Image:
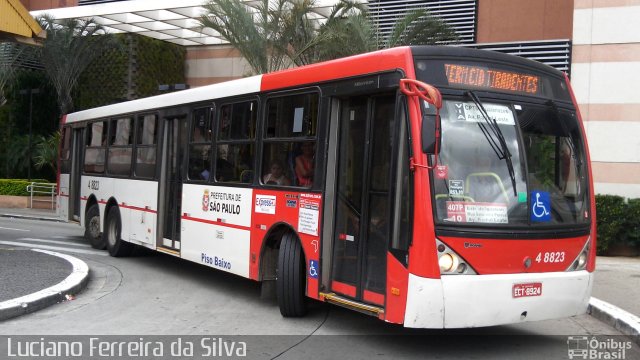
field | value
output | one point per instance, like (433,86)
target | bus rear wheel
(92,228)
(291,277)
(116,246)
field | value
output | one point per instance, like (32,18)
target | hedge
(16,187)
(618,221)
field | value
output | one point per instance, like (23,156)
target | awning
(169,20)
(16,24)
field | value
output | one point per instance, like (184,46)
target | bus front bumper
(460,301)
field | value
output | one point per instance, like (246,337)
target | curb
(29,217)
(615,317)
(74,283)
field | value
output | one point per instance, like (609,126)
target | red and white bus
(434,187)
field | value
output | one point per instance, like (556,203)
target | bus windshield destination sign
(482,77)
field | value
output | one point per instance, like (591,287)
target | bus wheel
(291,278)
(92,228)
(116,246)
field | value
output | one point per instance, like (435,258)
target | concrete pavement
(615,292)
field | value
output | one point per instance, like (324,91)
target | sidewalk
(616,295)
(33,214)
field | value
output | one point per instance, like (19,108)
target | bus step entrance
(353,305)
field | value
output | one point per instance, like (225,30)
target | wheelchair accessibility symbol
(313,269)
(540,206)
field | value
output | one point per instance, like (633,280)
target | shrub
(16,187)
(611,215)
(632,223)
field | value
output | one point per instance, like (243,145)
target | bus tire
(113,231)
(92,228)
(291,278)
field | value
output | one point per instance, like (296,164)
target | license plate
(524,290)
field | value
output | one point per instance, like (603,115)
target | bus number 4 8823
(550,257)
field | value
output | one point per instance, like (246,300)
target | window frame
(217,141)
(292,140)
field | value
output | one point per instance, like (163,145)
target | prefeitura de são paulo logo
(205,200)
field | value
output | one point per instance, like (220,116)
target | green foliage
(632,224)
(71,45)
(149,62)
(105,79)
(46,152)
(14,187)
(617,221)
(158,62)
(273,35)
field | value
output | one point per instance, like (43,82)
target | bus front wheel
(291,277)
(92,228)
(116,246)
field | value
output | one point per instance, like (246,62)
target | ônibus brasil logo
(205,200)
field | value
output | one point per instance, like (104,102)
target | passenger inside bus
(276,176)
(305,164)
(224,169)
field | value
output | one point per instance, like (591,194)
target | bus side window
(120,147)
(146,139)
(289,144)
(200,145)
(94,156)
(235,151)
(65,152)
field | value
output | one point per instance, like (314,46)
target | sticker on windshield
(468,111)
(488,213)
(442,171)
(540,206)
(456,188)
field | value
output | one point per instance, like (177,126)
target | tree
(71,45)
(8,54)
(254,33)
(288,33)
(46,154)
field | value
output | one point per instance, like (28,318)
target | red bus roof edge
(378,61)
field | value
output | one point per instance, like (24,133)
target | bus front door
(363,211)
(175,136)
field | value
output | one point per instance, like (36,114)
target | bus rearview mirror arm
(430,127)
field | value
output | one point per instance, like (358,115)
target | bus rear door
(170,197)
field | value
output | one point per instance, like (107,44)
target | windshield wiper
(495,138)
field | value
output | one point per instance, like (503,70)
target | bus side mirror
(430,131)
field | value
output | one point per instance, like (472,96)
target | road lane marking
(59,248)
(57,242)
(6,228)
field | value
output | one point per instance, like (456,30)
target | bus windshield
(537,176)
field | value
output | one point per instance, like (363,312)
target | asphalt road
(155,294)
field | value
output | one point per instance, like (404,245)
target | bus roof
(383,60)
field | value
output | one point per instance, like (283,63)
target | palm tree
(46,154)
(287,33)
(9,53)
(254,33)
(69,48)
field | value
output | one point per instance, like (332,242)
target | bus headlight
(580,263)
(447,262)
(451,263)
